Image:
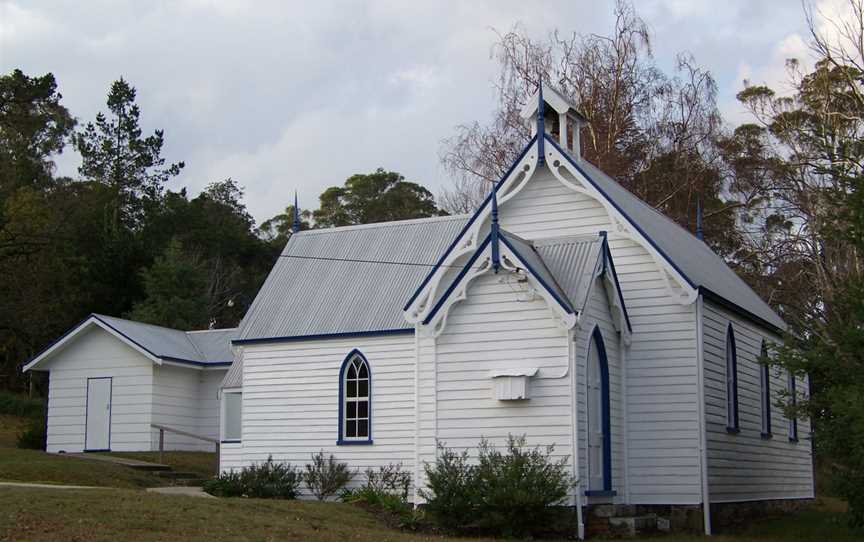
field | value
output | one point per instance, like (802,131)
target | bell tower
(560,119)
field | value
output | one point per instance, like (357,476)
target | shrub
(266,480)
(512,493)
(325,477)
(34,436)
(15,404)
(386,490)
(453,492)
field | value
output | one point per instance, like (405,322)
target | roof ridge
(211,330)
(387,224)
(99,315)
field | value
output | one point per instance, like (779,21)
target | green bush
(386,490)
(14,404)
(511,493)
(266,480)
(325,477)
(34,435)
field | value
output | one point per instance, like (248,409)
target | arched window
(355,400)
(599,424)
(793,399)
(765,391)
(731,382)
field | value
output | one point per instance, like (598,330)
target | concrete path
(187,491)
(132,463)
(47,486)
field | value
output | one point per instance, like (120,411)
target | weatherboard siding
(98,354)
(185,399)
(291,402)
(662,402)
(744,466)
(495,328)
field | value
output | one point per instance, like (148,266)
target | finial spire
(295,226)
(541,122)
(699,218)
(496,257)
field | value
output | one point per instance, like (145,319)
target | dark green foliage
(325,476)
(386,491)
(511,493)
(34,435)
(268,480)
(14,404)
(379,196)
(175,287)
(454,490)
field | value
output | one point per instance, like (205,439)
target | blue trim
(231,441)
(468,225)
(620,210)
(720,300)
(341,442)
(456,280)
(295,226)
(793,421)
(346,334)
(564,303)
(60,338)
(541,123)
(600,493)
(765,393)
(607,259)
(732,395)
(597,339)
(494,235)
(196,363)
(339,437)
(110,411)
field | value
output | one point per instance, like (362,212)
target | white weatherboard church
(564,309)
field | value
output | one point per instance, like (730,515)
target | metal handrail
(163,428)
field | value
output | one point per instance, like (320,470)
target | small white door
(595,419)
(98,422)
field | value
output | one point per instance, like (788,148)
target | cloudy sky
(298,95)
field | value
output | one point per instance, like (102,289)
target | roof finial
(295,226)
(496,256)
(699,218)
(541,122)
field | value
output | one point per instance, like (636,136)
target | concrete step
(177,475)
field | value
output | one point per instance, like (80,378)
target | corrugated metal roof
(692,257)
(573,261)
(234,376)
(166,343)
(532,258)
(349,279)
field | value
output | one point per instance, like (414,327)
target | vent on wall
(512,384)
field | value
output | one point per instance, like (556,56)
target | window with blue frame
(731,382)
(793,400)
(355,418)
(765,391)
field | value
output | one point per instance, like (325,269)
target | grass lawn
(116,514)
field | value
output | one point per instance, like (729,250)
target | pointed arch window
(765,391)
(599,419)
(793,400)
(731,382)
(355,400)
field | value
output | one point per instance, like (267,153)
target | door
(595,419)
(98,421)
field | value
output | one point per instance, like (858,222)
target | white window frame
(223,436)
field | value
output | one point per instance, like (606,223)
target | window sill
(793,439)
(353,442)
(600,493)
(230,441)
(766,436)
(733,430)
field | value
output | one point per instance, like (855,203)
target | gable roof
(690,257)
(693,259)
(348,280)
(199,348)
